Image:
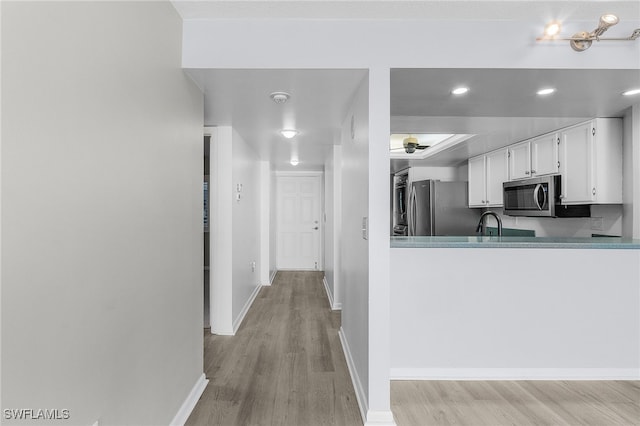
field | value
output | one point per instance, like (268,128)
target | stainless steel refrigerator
(440,208)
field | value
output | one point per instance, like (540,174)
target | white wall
(273,236)
(246,226)
(631,172)
(102,212)
(265,222)
(221,193)
(610,215)
(333,215)
(481,313)
(235,229)
(446,174)
(354,272)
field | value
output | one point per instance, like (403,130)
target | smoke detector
(279,97)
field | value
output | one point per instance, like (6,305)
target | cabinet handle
(527,172)
(561,196)
(558,165)
(533,172)
(593,191)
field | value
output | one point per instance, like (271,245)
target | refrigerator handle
(411,211)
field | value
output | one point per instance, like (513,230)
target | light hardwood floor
(497,403)
(285,366)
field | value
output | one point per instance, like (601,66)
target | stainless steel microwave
(539,196)
(531,197)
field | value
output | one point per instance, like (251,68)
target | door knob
(315,227)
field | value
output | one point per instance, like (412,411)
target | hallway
(285,366)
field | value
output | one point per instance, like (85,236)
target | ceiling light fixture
(294,162)
(545,91)
(582,40)
(460,90)
(279,97)
(288,133)
(631,92)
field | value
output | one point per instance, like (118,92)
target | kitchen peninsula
(515,308)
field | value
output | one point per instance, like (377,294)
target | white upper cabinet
(519,161)
(590,157)
(477,182)
(535,157)
(497,174)
(486,174)
(544,154)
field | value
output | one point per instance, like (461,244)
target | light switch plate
(365,228)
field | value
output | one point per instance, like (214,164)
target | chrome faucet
(480,228)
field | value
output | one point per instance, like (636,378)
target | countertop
(516,242)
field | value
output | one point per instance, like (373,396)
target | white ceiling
(500,108)
(318,104)
(405,9)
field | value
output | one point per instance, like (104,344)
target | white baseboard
(515,374)
(192,399)
(273,276)
(334,306)
(238,321)
(380,418)
(355,379)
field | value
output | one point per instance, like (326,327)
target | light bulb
(546,91)
(288,133)
(460,90)
(552,29)
(608,20)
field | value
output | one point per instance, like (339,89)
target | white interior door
(299,224)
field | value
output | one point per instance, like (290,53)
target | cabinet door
(519,161)
(544,155)
(477,185)
(575,156)
(497,172)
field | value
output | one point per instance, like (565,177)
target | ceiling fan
(410,145)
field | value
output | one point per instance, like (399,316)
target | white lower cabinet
(590,162)
(486,174)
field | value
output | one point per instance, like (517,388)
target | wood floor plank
(498,403)
(284,366)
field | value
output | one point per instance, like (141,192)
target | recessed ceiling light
(632,92)
(460,90)
(546,91)
(552,29)
(288,133)
(279,97)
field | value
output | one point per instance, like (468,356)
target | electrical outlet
(596,224)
